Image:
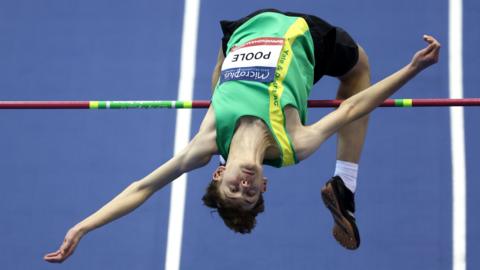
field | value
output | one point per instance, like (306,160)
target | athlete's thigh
(343,55)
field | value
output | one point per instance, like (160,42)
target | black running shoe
(340,201)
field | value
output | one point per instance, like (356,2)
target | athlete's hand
(427,56)
(67,248)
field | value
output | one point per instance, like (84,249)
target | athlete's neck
(250,142)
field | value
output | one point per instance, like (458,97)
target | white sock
(348,171)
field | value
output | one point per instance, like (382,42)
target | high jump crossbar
(198,104)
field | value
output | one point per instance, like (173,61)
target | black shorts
(335,50)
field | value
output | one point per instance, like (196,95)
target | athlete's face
(240,184)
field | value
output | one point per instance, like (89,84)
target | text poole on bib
(256,60)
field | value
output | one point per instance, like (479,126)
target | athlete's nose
(245,183)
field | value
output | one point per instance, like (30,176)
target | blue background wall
(57,167)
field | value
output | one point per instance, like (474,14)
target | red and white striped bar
(196,104)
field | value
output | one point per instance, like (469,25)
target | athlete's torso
(267,43)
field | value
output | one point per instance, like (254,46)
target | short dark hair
(236,218)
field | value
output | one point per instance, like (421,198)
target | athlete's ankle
(348,171)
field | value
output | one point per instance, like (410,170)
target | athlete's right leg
(352,136)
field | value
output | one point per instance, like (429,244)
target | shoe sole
(344,230)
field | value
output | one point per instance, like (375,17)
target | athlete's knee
(363,64)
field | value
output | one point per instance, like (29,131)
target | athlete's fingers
(432,50)
(428,38)
(427,50)
(52,254)
(58,256)
(431,46)
(424,53)
(431,41)
(61,254)
(428,55)
(54,257)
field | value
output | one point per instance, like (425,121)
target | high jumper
(267,65)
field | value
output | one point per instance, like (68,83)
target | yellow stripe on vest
(275,90)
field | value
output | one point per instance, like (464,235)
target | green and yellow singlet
(269,64)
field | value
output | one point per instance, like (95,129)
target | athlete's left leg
(338,192)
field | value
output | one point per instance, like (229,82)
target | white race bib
(255,60)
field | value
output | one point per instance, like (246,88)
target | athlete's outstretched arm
(195,155)
(365,101)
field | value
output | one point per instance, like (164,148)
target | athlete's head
(236,192)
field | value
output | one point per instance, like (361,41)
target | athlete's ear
(264,186)
(217,174)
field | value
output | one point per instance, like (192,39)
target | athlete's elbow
(348,110)
(143,187)
(137,186)
(354,110)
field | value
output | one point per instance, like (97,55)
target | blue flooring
(472,131)
(60,166)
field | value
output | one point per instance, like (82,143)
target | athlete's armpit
(217,69)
